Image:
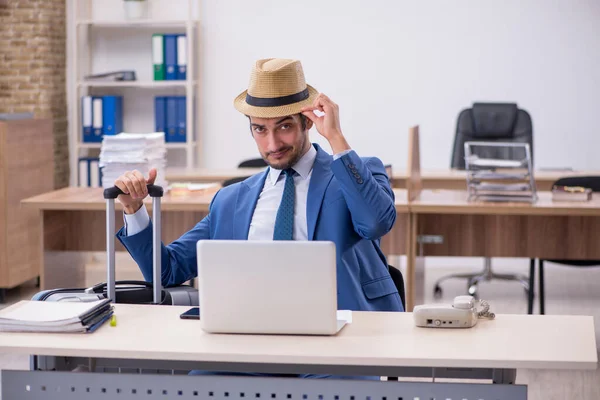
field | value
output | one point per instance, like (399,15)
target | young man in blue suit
(305,194)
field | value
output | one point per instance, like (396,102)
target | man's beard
(292,161)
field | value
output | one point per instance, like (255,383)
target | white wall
(390,64)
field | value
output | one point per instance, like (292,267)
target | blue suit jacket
(350,202)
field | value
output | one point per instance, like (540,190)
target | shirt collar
(302,167)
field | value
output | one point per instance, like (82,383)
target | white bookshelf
(103,40)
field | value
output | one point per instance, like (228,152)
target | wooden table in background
(545,229)
(73,220)
(432,179)
(207,175)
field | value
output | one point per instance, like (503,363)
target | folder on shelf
(89,172)
(170,49)
(86,118)
(158,57)
(180,136)
(112,119)
(159,114)
(171,119)
(181,57)
(83,176)
(94,172)
(113,76)
(97,105)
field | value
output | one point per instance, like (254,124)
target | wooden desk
(432,179)
(373,340)
(546,229)
(375,343)
(457,180)
(74,220)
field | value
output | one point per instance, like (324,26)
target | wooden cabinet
(26,169)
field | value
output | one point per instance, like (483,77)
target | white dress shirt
(262,224)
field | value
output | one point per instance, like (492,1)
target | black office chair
(231,181)
(592,182)
(399,282)
(251,163)
(490,122)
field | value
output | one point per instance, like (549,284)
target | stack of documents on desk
(49,316)
(133,151)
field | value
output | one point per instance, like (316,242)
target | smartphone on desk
(192,313)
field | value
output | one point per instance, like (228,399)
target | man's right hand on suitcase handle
(134,187)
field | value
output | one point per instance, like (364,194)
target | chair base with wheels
(487,274)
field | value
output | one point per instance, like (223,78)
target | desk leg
(415,267)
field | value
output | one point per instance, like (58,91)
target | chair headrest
(494,120)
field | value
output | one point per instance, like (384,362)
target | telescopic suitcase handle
(110,194)
(114,192)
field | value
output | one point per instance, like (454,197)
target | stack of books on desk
(500,180)
(133,151)
(571,193)
(55,317)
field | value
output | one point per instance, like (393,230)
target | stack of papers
(500,181)
(499,172)
(57,317)
(133,151)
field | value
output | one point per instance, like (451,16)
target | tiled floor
(568,291)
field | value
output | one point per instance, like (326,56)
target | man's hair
(303,121)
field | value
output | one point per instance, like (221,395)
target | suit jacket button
(360,181)
(351,166)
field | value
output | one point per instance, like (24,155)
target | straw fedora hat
(277,88)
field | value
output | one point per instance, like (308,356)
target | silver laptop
(268,287)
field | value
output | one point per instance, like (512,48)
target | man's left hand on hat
(328,124)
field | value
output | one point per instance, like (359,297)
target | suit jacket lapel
(245,205)
(321,176)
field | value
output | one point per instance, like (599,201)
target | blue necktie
(284,223)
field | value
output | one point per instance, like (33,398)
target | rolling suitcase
(129,292)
